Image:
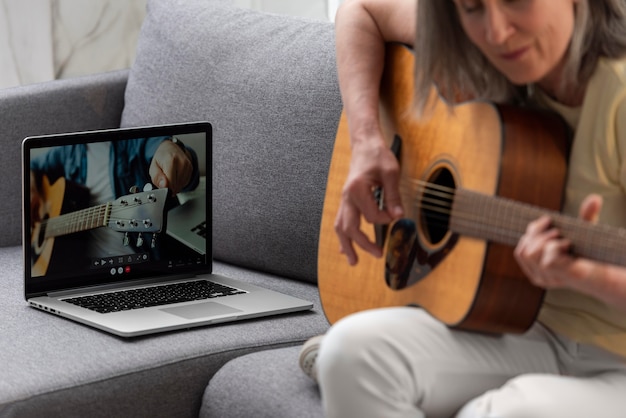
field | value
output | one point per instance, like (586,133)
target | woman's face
(524,39)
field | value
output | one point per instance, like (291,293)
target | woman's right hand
(373,165)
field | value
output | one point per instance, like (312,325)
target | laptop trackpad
(200,310)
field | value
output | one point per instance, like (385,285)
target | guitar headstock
(138,212)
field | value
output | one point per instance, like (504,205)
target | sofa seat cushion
(265,384)
(54,367)
(268,85)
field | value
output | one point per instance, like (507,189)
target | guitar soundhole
(435,206)
(416,246)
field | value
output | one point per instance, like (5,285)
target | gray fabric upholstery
(92,102)
(267,83)
(53,367)
(266,384)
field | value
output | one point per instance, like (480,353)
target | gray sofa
(268,85)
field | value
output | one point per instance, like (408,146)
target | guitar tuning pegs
(133,189)
(126,239)
(153,242)
(139,240)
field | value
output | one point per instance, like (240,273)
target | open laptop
(105,247)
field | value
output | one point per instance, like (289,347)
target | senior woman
(565,55)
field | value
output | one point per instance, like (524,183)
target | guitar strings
(438,200)
(443,206)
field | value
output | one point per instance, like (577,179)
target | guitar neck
(81,220)
(504,221)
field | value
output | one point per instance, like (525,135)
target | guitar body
(465,282)
(51,254)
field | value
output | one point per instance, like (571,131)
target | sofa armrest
(83,103)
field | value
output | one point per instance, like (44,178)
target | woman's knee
(345,344)
(366,340)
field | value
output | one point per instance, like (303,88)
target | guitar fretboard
(82,220)
(504,221)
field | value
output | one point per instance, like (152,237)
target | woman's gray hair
(599,31)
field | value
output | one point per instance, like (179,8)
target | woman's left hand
(544,256)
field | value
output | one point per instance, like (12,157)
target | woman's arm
(362,29)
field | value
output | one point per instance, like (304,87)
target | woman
(567,55)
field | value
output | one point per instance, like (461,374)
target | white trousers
(401,362)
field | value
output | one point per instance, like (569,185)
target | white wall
(42,40)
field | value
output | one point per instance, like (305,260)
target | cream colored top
(597,165)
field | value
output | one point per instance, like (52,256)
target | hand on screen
(171,167)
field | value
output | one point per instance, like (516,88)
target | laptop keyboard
(153,296)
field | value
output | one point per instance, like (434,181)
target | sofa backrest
(268,85)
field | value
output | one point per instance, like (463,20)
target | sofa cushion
(55,367)
(268,85)
(286,392)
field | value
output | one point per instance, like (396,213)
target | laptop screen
(109,206)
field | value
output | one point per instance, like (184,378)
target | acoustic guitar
(472,178)
(139,212)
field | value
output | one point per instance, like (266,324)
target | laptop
(106,247)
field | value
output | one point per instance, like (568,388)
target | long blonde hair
(599,31)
